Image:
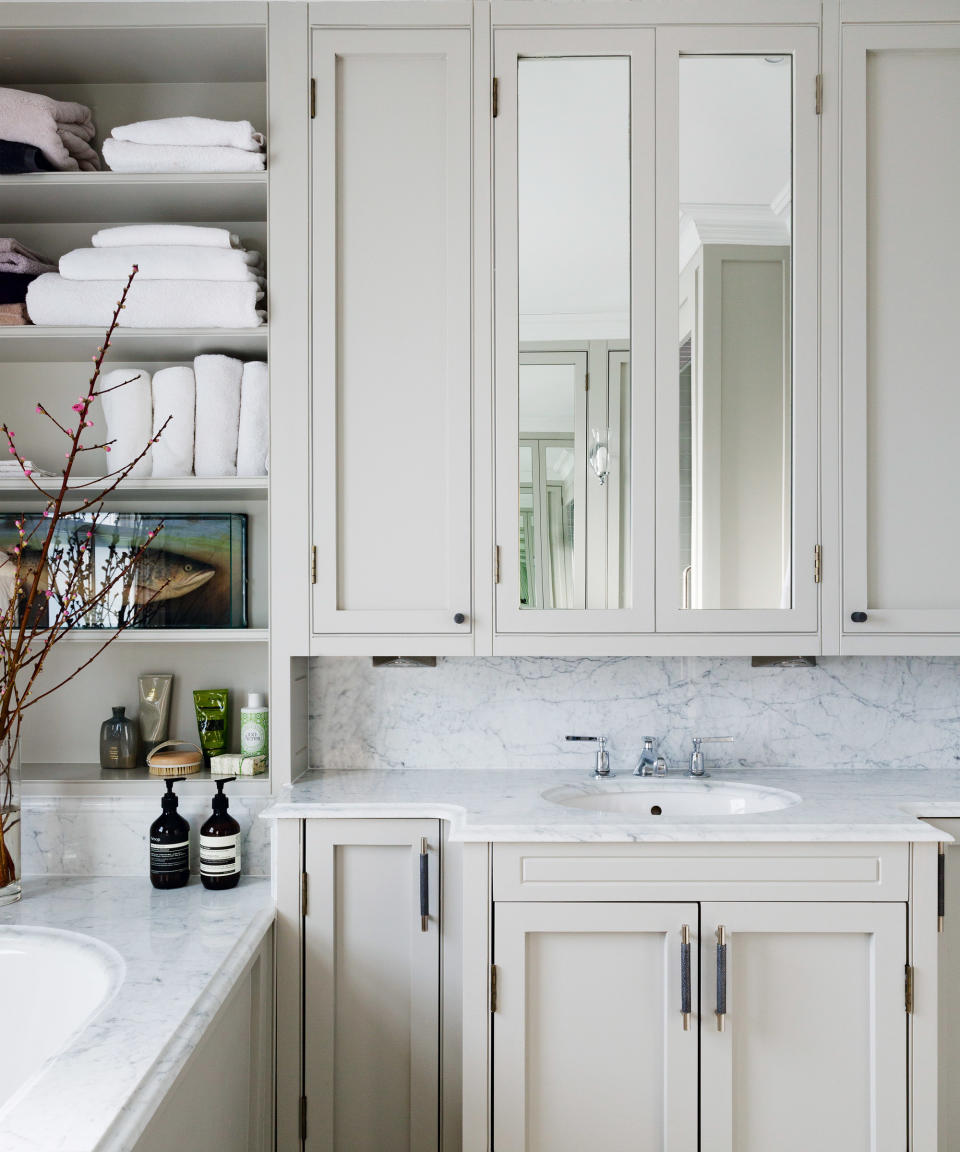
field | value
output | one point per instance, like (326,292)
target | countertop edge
(133,1118)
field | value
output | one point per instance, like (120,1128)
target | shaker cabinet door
(372,986)
(804,1027)
(391,328)
(591,1046)
(901,408)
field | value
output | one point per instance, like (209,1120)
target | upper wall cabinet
(391,349)
(656,332)
(901,410)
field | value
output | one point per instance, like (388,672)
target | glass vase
(10,888)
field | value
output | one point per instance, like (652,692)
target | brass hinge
(817,564)
(908,987)
(303,1117)
(496,564)
(818,94)
(303,893)
(495,98)
(493,987)
(313,99)
(941,884)
(313,566)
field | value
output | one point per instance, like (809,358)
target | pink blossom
(16,551)
(48,593)
(89,424)
(106,447)
(28,471)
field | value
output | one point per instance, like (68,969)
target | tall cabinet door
(391,332)
(372,986)
(901,409)
(591,1046)
(813,1047)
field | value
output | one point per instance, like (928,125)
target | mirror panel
(735,399)
(573,170)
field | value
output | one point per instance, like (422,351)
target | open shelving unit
(132,61)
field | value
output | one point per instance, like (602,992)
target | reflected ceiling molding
(542,327)
(733,224)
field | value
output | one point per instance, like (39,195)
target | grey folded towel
(17,257)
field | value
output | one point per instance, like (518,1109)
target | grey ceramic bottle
(118,741)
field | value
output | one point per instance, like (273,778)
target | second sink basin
(671,799)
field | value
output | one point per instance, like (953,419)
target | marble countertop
(183,951)
(504,805)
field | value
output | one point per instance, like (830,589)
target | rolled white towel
(126,235)
(253,441)
(150,304)
(122,156)
(128,411)
(218,415)
(162,262)
(174,396)
(185,130)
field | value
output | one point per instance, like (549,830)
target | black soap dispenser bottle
(220,844)
(169,844)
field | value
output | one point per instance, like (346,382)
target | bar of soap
(236,764)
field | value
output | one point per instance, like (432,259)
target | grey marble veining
(482,713)
(509,805)
(183,951)
(109,835)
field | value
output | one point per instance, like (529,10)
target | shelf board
(159,487)
(121,197)
(32,344)
(171,636)
(91,779)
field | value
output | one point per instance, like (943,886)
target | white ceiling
(735,149)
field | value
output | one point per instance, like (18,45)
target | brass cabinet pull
(721,977)
(685,976)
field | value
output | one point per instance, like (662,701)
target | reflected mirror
(734,365)
(573,451)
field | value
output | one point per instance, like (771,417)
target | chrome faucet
(697,764)
(647,759)
(602,770)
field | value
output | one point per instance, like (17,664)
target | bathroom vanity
(527,960)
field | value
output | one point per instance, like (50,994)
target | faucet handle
(698,740)
(697,765)
(602,770)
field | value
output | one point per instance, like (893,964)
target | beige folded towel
(17,257)
(12,315)
(56,127)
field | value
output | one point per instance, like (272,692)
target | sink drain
(656,810)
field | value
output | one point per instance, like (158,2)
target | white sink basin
(671,799)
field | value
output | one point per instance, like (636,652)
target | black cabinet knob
(858,617)
(459,618)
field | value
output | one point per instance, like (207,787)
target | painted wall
(514,712)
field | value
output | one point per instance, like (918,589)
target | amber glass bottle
(169,844)
(220,844)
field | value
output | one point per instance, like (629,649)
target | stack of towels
(19,267)
(38,133)
(185,144)
(218,411)
(189,277)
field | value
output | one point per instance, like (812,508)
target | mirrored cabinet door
(574,258)
(737,330)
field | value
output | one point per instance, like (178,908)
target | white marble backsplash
(109,835)
(514,712)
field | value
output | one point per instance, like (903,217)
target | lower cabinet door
(591,1049)
(804,1027)
(372,986)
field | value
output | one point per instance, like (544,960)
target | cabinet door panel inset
(391,331)
(901,413)
(813,1051)
(589,1044)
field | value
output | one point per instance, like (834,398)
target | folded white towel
(218,415)
(151,303)
(253,441)
(174,395)
(129,414)
(126,235)
(56,127)
(122,156)
(185,130)
(162,262)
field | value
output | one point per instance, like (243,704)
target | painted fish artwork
(193,574)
